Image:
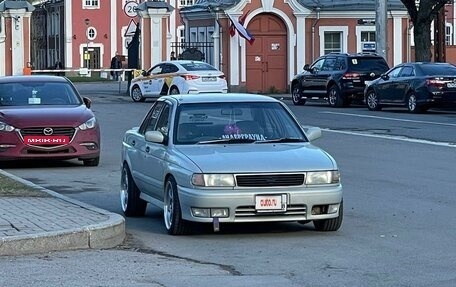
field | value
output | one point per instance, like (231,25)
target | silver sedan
(228,158)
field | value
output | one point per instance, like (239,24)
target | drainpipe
(317,11)
(409,41)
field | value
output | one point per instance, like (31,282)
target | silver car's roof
(219,97)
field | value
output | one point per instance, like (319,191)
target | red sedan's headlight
(5,127)
(90,124)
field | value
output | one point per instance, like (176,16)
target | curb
(107,234)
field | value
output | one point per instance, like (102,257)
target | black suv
(337,77)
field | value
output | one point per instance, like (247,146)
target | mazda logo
(48,131)
(372,75)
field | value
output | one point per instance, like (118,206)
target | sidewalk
(43,224)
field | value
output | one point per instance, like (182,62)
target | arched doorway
(266,61)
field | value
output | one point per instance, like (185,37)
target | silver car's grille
(298,210)
(57,131)
(270,180)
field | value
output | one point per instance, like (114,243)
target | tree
(422,13)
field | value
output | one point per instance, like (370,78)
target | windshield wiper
(230,141)
(283,140)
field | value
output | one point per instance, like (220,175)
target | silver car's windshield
(236,122)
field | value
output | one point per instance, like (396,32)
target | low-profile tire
(172,213)
(174,91)
(412,105)
(335,99)
(131,203)
(372,101)
(296,96)
(136,94)
(332,224)
(91,161)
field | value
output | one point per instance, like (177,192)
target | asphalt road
(399,226)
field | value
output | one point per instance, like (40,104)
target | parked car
(44,117)
(213,158)
(417,86)
(337,77)
(178,77)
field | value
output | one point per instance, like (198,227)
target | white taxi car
(177,77)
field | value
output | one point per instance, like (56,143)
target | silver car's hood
(242,158)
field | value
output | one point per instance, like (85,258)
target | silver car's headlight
(5,127)
(323,177)
(218,180)
(90,124)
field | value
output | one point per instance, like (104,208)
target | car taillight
(350,76)
(190,77)
(435,82)
(222,76)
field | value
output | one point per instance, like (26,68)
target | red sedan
(44,117)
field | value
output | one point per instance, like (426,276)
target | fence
(84,72)
(203,51)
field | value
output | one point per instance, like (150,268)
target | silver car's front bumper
(241,203)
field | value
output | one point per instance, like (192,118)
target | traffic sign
(130,9)
(131,29)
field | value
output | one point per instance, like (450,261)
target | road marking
(397,138)
(390,119)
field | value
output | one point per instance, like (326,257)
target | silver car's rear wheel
(172,213)
(136,94)
(131,203)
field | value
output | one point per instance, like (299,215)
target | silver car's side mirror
(154,136)
(313,133)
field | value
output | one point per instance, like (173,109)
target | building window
(448,34)
(368,36)
(90,4)
(91,33)
(185,3)
(333,39)
(333,42)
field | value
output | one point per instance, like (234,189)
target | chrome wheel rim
(372,100)
(168,209)
(295,95)
(332,96)
(124,190)
(412,102)
(136,94)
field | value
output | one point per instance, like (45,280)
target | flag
(239,26)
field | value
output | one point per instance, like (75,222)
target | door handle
(147,149)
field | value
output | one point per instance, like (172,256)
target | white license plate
(209,79)
(451,85)
(271,202)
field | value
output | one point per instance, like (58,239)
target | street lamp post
(86,54)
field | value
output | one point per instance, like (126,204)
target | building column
(2,46)
(397,39)
(154,32)
(15,40)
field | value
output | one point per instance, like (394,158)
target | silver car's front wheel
(172,213)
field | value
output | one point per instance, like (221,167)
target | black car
(417,86)
(337,77)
